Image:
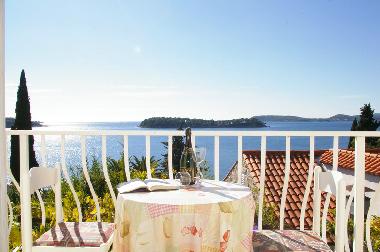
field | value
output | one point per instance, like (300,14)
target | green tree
(23,121)
(178,146)
(354,127)
(139,164)
(138,167)
(366,122)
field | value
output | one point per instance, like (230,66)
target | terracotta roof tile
(346,159)
(274,180)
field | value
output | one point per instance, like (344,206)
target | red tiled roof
(372,150)
(346,159)
(274,180)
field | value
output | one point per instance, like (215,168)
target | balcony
(85,203)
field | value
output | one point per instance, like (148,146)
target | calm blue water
(228,145)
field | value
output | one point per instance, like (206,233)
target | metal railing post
(263,162)
(147,157)
(26,209)
(216,158)
(170,156)
(359,194)
(240,158)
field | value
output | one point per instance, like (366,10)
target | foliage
(375,233)
(15,236)
(138,166)
(366,122)
(330,227)
(23,121)
(270,219)
(140,163)
(177,146)
(88,207)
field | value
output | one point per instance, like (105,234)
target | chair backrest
(331,182)
(374,207)
(374,210)
(41,177)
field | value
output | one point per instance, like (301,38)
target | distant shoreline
(9,122)
(287,118)
(262,118)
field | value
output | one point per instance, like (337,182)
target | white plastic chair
(331,182)
(296,240)
(374,210)
(59,238)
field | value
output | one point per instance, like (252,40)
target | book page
(130,186)
(161,184)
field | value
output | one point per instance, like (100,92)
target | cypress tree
(23,121)
(178,146)
(351,143)
(366,122)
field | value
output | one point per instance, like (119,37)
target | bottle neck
(188,141)
(188,138)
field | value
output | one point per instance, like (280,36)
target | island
(178,122)
(9,121)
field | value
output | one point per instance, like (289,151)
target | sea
(227,149)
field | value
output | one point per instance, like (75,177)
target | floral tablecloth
(217,216)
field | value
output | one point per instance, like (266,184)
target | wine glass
(200,156)
(183,177)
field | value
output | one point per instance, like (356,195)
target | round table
(217,216)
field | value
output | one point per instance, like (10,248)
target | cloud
(150,94)
(44,91)
(352,96)
(137,49)
(146,92)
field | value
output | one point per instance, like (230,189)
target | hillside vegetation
(177,122)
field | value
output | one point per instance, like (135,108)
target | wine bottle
(188,162)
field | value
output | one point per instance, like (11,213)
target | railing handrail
(161,132)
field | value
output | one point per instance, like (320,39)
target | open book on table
(148,184)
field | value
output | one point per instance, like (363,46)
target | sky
(122,60)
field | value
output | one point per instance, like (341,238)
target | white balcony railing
(24,188)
